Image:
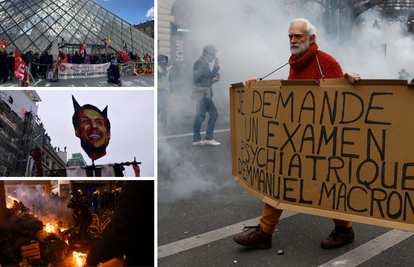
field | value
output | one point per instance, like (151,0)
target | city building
(77,160)
(33,25)
(146,27)
(20,132)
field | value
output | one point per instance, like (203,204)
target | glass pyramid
(32,25)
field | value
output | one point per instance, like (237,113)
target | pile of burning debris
(27,241)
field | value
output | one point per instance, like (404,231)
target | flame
(80,258)
(9,205)
(50,228)
(67,242)
(12,198)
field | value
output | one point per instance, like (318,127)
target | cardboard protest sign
(329,149)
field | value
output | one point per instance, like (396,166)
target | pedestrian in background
(403,75)
(163,88)
(203,79)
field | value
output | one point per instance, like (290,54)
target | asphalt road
(201,208)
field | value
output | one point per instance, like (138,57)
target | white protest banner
(75,71)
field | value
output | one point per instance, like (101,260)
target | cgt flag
(3,44)
(125,56)
(82,49)
(108,42)
(58,62)
(20,70)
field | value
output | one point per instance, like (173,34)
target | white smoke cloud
(39,203)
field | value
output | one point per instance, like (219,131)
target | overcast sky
(132,11)
(131,113)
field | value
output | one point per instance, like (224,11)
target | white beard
(299,52)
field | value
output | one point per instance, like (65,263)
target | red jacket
(306,67)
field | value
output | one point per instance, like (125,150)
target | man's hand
(352,77)
(216,79)
(170,67)
(216,61)
(249,82)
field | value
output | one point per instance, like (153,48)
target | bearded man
(303,66)
(93,128)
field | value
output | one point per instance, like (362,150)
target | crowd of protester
(101,200)
(40,64)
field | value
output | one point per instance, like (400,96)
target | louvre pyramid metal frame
(32,25)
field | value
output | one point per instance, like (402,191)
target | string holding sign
(273,71)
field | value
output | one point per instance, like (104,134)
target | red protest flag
(65,60)
(82,49)
(25,82)
(3,44)
(108,42)
(147,58)
(19,66)
(57,63)
(125,56)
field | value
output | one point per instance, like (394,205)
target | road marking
(190,134)
(369,249)
(199,240)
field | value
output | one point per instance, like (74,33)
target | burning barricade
(28,241)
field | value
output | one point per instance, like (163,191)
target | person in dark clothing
(132,56)
(43,61)
(83,219)
(76,59)
(69,58)
(106,200)
(49,62)
(203,79)
(113,71)
(94,58)
(3,66)
(35,64)
(29,60)
(10,65)
(119,60)
(124,234)
(99,202)
(111,205)
(28,57)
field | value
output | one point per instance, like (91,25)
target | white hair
(309,27)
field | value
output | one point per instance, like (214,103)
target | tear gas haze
(42,205)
